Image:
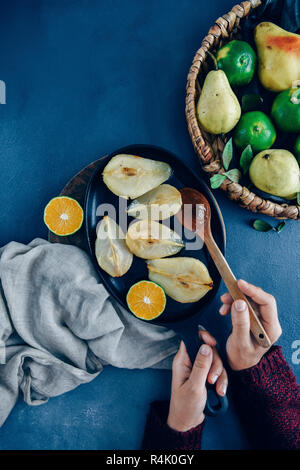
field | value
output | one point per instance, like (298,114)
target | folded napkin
(59,326)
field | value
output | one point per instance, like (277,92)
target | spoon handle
(229,279)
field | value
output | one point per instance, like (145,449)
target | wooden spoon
(197,218)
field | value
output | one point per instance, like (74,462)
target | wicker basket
(209,147)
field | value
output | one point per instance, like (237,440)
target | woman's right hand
(242,349)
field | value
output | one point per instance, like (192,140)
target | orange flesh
(146,300)
(63,216)
(285,43)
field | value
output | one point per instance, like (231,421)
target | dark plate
(97,194)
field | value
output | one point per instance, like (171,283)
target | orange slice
(146,300)
(63,215)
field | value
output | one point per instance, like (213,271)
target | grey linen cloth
(59,326)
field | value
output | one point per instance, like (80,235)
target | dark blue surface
(84,78)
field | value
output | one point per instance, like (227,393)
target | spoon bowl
(195,214)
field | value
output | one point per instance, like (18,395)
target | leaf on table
(227,154)
(246,158)
(261,226)
(279,227)
(217,180)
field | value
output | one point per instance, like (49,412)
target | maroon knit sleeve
(268,400)
(158,435)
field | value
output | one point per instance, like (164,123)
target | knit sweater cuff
(158,435)
(272,368)
(267,397)
(271,361)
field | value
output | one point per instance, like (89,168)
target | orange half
(146,300)
(63,215)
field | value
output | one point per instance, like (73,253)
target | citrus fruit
(238,60)
(146,300)
(254,128)
(63,215)
(286,110)
(297,149)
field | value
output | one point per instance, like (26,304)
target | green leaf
(227,154)
(217,180)
(261,226)
(298,198)
(246,158)
(234,175)
(280,227)
(251,102)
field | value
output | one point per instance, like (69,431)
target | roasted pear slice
(150,240)
(112,253)
(130,176)
(183,279)
(158,204)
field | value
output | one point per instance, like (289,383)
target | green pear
(278,56)
(276,171)
(218,109)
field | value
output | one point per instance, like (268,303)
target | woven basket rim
(209,154)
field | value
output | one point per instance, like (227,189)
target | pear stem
(212,57)
(295,95)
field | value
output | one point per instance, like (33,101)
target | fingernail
(200,327)
(181,345)
(244,282)
(240,305)
(205,336)
(222,309)
(204,350)
(224,389)
(214,378)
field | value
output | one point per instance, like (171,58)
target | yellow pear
(218,109)
(278,56)
(276,171)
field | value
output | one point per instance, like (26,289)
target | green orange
(254,128)
(63,215)
(286,110)
(238,60)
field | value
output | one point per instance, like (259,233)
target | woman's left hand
(188,396)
